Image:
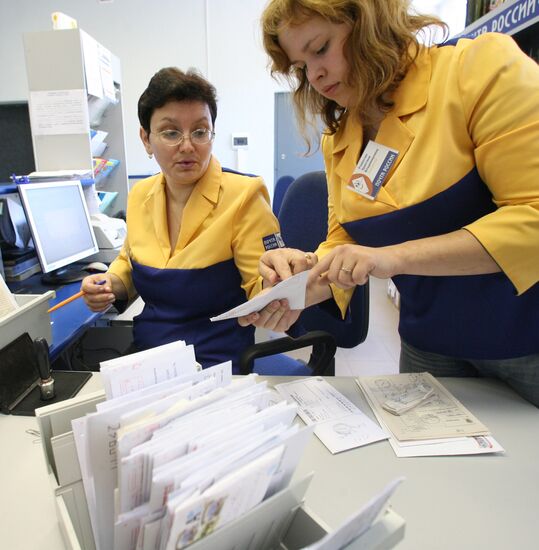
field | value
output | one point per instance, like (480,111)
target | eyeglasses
(172,138)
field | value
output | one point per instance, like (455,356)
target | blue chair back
(279,191)
(303,219)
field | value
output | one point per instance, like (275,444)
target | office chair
(267,358)
(279,191)
(303,219)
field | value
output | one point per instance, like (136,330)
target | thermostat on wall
(240,141)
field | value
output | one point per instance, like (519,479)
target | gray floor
(379,353)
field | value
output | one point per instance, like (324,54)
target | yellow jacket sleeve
(253,221)
(499,88)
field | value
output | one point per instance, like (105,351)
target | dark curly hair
(172,84)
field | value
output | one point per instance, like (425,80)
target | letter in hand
(97,291)
(276,266)
(276,316)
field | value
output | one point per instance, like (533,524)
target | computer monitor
(60,225)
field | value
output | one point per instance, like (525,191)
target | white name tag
(372,169)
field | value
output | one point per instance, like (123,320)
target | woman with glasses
(431,156)
(195,231)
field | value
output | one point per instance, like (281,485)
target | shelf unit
(55,62)
(518,18)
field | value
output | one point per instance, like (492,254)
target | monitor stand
(64,275)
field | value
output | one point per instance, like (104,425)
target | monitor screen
(16,149)
(58,219)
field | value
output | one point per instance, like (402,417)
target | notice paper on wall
(59,112)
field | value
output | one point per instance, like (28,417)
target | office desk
(454,503)
(69,322)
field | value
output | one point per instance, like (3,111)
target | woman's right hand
(281,263)
(97,295)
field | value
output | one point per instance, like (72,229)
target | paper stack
(8,303)
(436,424)
(175,452)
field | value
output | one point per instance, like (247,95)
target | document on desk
(7,301)
(435,426)
(442,415)
(292,289)
(338,423)
(356,524)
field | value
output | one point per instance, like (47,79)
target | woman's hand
(98,296)
(281,263)
(349,265)
(276,316)
(274,266)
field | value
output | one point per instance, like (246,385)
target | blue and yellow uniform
(466,126)
(213,267)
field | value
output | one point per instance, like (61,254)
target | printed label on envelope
(372,169)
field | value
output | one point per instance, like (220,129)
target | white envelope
(292,289)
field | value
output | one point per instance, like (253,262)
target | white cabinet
(55,62)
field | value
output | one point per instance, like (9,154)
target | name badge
(372,169)
(273,241)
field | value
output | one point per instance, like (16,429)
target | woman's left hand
(349,265)
(276,316)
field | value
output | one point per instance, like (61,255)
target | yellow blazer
(472,104)
(226,217)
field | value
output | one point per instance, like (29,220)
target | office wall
(218,37)
(453,12)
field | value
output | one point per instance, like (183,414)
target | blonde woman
(454,219)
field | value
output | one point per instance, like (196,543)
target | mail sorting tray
(282,522)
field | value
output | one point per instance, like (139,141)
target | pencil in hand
(72,298)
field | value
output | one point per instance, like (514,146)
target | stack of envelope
(176,452)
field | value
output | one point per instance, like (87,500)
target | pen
(71,298)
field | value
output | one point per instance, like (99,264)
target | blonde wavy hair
(380,48)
